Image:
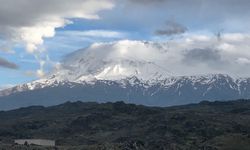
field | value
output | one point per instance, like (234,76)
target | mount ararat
(118,72)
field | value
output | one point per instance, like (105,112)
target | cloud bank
(31,21)
(193,54)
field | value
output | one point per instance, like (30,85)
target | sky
(204,36)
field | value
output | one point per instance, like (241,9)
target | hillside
(120,126)
(166,92)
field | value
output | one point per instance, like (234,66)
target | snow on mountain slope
(178,83)
(112,61)
(163,92)
(126,70)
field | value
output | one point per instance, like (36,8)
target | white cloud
(94,34)
(204,55)
(235,37)
(30,21)
(98,33)
(244,61)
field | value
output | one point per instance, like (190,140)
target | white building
(40,142)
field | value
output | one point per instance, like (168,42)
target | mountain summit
(112,61)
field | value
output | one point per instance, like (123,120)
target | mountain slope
(166,92)
(214,126)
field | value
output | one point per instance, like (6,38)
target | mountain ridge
(165,92)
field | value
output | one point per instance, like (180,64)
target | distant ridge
(162,92)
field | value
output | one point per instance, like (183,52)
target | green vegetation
(120,126)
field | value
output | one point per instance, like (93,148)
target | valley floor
(120,126)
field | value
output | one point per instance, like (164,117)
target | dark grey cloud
(171,28)
(150,5)
(7,64)
(146,1)
(207,55)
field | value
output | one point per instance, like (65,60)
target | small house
(40,142)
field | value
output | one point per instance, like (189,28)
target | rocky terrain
(120,126)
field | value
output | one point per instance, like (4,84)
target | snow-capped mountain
(112,61)
(115,72)
(163,92)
